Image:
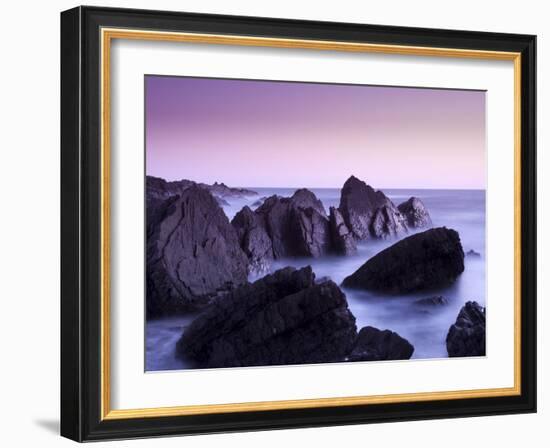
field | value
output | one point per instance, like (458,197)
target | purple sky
(281,134)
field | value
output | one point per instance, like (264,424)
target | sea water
(425,327)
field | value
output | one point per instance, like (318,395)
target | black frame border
(81,223)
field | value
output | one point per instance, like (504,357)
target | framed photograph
(273,223)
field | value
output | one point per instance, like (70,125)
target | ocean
(425,327)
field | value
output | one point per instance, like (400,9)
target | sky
(249,133)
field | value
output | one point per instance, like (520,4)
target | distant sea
(426,328)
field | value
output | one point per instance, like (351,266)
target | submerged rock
(466,337)
(373,344)
(430,259)
(472,253)
(193,253)
(342,240)
(432,301)
(283,318)
(415,213)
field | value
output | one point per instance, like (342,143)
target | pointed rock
(369,213)
(415,213)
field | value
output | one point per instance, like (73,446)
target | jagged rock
(303,198)
(415,213)
(432,301)
(283,318)
(156,187)
(297,226)
(193,253)
(312,233)
(472,253)
(466,336)
(160,188)
(430,259)
(373,344)
(259,202)
(342,240)
(369,213)
(387,222)
(253,239)
(222,190)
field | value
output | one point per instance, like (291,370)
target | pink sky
(285,134)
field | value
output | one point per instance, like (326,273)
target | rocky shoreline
(198,260)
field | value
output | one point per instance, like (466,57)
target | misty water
(425,327)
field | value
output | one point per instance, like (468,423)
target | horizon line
(320,188)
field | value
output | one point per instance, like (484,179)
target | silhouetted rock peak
(369,213)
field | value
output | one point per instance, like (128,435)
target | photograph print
(295,223)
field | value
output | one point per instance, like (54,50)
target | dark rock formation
(430,259)
(432,301)
(159,188)
(283,318)
(415,213)
(342,240)
(472,253)
(193,253)
(466,336)
(253,239)
(373,344)
(387,222)
(223,191)
(369,213)
(297,226)
(259,201)
(311,232)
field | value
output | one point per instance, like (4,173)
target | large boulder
(430,259)
(415,213)
(342,240)
(369,213)
(253,239)
(283,318)
(466,337)
(193,253)
(373,344)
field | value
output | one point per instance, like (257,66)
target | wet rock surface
(193,253)
(253,239)
(373,344)
(415,213)
(283,318)
(342,240)
(430,259)
(466,337)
